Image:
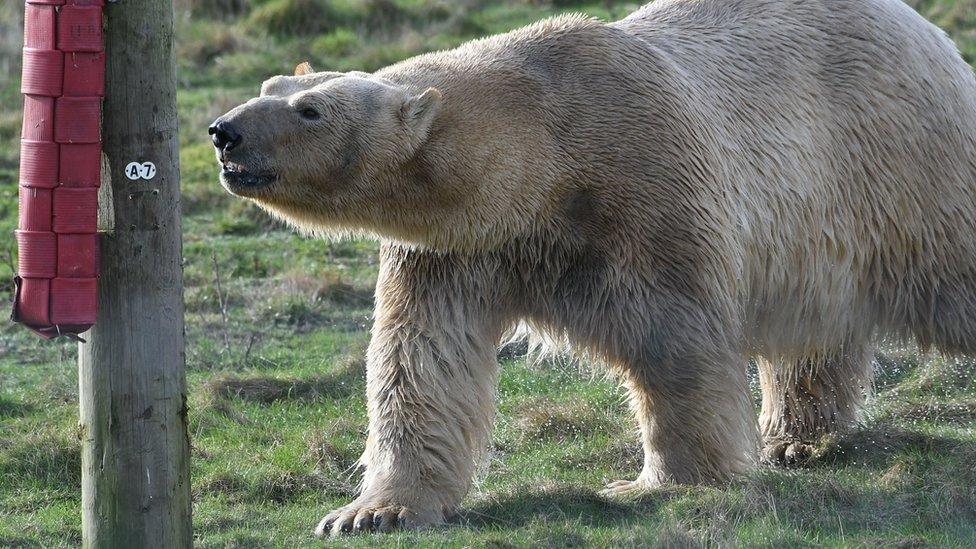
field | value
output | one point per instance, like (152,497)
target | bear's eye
(308,113)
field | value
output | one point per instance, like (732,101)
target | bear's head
(322,150)
(462,164)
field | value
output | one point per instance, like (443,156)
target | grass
(275,371)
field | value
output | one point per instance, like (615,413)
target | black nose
(225,136)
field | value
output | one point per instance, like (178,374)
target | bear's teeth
(232,167)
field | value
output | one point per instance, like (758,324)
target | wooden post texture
(135,449)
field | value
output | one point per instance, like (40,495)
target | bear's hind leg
(696,419)
(806,398)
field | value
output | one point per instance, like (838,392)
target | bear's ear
(418,111)
(303,68)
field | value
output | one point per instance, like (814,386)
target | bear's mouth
(241,181)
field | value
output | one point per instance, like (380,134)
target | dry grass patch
(267,390)
(219,40)
(288,485)
(620,455)
(303,302)
(328,287)
(208,406)
(324,454)
(909,542)
(896,477)
(221,483)
(538,419)
(960,413)
(277,487)
(939,377)
(675,536)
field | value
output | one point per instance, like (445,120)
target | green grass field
(275,358)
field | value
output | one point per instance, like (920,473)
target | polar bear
(699,183)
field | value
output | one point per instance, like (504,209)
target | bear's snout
(225,135)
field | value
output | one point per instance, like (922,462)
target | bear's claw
(626,488)
(356,518)
(787,453)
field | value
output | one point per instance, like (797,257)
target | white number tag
(144,170)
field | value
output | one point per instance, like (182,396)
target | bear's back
(847,139)
(828,149)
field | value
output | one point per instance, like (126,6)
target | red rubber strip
(78,119)
(38,254)
(74,300)
(60,166)
(35,209)
(33,298)
(75,210)
(80,28)
(43,72)
(74,255)
(38,118)
(80,165)
(38,164)
(39,28)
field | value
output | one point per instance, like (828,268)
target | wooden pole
(135,449)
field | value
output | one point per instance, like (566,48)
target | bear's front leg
(431,381)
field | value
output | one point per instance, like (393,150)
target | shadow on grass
(881,483)
(19,542)
(880,445)
(520,507)
(280,487)
(876,479)
(267,390)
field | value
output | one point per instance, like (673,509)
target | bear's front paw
(630,488)
(367,516)
(622,487)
